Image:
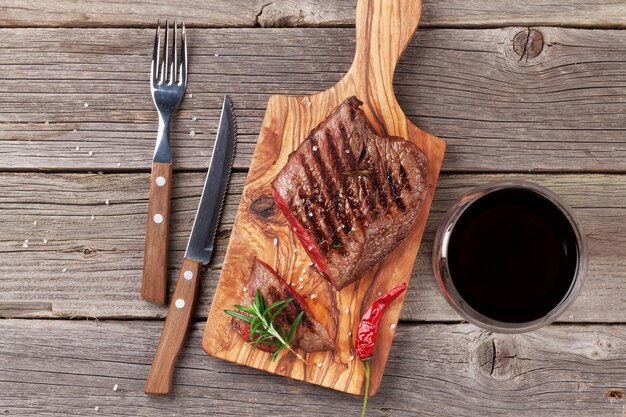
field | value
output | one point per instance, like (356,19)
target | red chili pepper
(368,328)
(368,332)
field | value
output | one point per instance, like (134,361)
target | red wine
(513,255)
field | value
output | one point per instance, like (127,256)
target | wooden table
(524,89)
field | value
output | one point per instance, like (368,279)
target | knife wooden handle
(154,277)
(174,330)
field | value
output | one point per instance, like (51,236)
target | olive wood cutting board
(383,30)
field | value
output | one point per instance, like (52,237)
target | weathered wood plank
(70,367)
(93,267)
(290,13)
(560,111)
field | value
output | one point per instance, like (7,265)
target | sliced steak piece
(350,195)
(310,335)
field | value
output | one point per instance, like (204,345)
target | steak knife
(198,253)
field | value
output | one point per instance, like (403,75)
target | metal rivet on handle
(188,275)
(160,181)
(158,218)
(180,303)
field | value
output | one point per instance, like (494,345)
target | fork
(168,80)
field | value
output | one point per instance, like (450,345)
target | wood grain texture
(172,340)
(559,112)
(154,274)
(383,31)
(93,267)
(433,370)
(290,13)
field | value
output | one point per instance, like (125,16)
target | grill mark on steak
(337,164)
(337,207)
(404,178)
(395,190)
(372,187)
(365,190)
(338,169)
(320,197)
(321,235)
(382,197)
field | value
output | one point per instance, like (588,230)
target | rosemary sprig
(359,173)
(261,319)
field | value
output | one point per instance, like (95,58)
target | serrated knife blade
(200,246)
(199,251)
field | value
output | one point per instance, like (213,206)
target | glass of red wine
(510,256)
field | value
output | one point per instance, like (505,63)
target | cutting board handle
(384,28)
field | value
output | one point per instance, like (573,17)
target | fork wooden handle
(174,330)
(154,277)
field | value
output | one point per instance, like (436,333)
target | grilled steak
(310,334)
(350,195)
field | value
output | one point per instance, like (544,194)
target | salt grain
(90,153)
(96,408)
(115,387)
(347,150)
(64,270)
(319,364)
(295,250)
(192,133)
(78,148)
(119,164)
(35,223)
(194,118)
(311,264)
(351,357)
(313,296)
(314,148)
(244,289)
(74,130)
(47,122)
(86,105)
(190,95)
(100,172)
(310,214)
(392,326)
(301,287)
(309,104)
(275,241)
(216,54)
(346,311)
(106,202)
(293,284)
(304,270)
(93,217)
(45,241)
(380,293)
(349,334)
(300,279)
(25,244)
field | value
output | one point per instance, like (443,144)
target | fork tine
(183,58)
(154,69)
(174,60)
(166,45)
